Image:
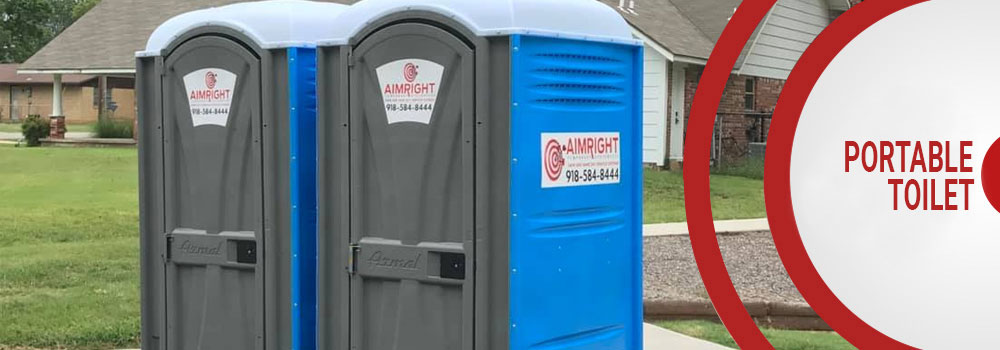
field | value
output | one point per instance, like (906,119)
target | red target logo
(210,80)
(410,72)
(553,160)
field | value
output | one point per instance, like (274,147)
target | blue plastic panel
(575,252)
(302,112)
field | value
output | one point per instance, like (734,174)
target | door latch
(246,252)
(452,266)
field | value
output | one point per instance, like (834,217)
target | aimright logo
(410,72)
(210,80)
(554,160)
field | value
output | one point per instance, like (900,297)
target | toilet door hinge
(170,246)
(352,259)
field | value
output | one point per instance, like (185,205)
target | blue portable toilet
(479,176)
(226,100)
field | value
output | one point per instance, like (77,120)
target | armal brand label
(210,95)
(579,159)
(381,259)
(409,89)
(187,247)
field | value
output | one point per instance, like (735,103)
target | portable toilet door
(227,163)
(212,196)
(411,191)
(412,188)
(427,157)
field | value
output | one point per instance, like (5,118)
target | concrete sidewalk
(656,338)
(69,135)
(721,226)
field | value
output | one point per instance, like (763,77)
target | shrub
(34,128)
(110,128)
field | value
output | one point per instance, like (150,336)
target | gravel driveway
(753,263)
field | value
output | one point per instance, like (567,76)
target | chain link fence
(739,135)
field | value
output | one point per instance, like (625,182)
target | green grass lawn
(68,247)
(16,127)
(733,197)
(781,339)
(10,127)
(69,241)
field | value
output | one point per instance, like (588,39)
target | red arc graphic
(777,192)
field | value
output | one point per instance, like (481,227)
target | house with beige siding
(22,95)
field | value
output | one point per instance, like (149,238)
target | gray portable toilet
(480,177)
(227,177)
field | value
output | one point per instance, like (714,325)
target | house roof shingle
(710,16)
(684,27)
(8,75)
(107,37)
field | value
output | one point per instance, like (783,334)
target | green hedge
(110,128)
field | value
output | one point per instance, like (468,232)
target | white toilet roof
(270,24)
(578,19)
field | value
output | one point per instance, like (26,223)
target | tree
(23,28)
(27,25)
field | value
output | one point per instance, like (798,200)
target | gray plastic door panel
(411,160)
(213,196)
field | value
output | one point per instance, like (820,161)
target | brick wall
(736,129)
(732,120)
(78,102)
(767,93)
(4,103)
(692,75)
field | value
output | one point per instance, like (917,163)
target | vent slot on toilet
(577,81)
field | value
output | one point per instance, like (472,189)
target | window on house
(107,95)
(748,96)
